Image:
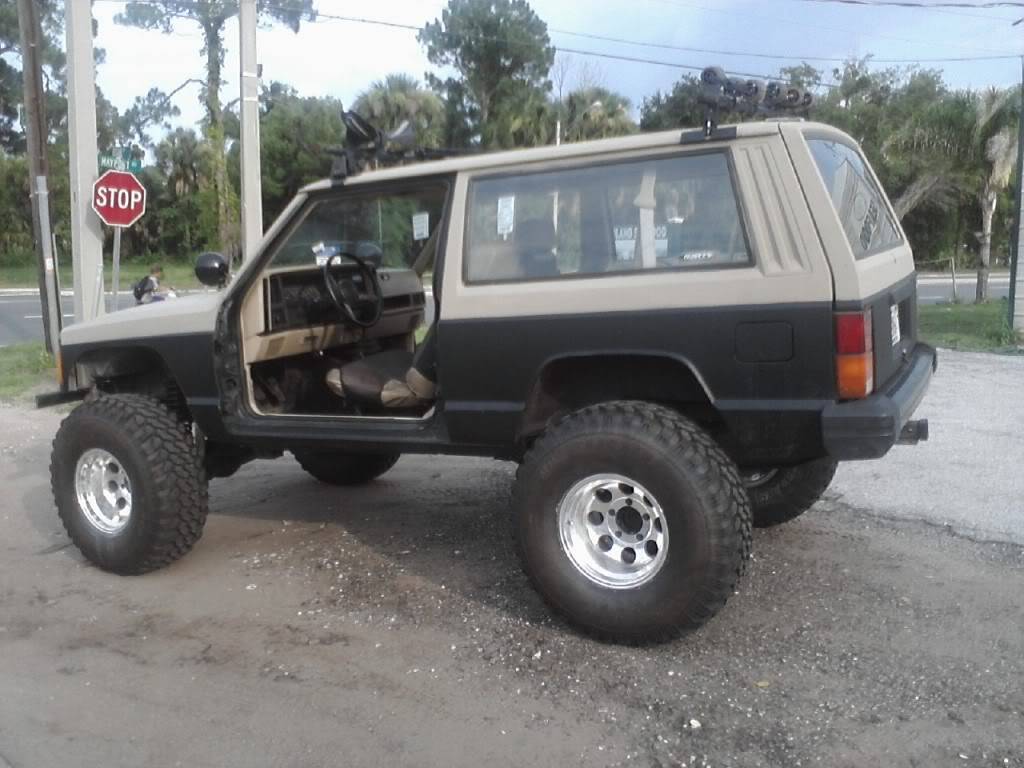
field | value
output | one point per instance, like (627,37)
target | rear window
(857,198)
(664,213)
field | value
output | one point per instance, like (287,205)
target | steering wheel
(362,309)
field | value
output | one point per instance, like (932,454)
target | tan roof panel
(538,154)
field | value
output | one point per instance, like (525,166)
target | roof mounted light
(747,97)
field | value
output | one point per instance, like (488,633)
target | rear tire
(595,503)
(128,483)
(783,494)
(340,468)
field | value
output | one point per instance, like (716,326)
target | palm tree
(998,120)
(520,118)
(960,143)
(595,113)
(399,97)
(930,154)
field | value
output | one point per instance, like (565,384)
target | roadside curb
(28,292)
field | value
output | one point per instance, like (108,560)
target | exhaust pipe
(913,432)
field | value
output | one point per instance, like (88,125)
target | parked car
(677,336)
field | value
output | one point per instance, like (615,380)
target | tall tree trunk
(215,133)
(989,197)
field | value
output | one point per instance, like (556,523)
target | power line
(787,57)
(563,49)
(926,5)
(943,9)
(938,7)
(782,20)
(636,59)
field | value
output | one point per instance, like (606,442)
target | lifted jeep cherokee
(676,335)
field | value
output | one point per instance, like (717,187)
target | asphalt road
(937,289)
(389,625)
(21,317)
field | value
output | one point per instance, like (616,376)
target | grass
(180,276)
(977,327)
(22,367)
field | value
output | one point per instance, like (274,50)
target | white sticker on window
(420,226)
(506,214)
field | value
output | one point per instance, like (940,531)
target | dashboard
(298,298)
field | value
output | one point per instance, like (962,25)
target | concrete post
(86,229)
(252,197)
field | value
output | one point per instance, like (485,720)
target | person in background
(147,290)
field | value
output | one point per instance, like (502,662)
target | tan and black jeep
(676,335)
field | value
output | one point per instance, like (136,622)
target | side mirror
(212,269)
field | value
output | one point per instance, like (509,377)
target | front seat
(395,378)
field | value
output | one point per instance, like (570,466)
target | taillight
(855,359)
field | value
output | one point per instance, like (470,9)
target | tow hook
(913,432)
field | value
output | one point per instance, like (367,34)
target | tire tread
(689,445)
(177,473)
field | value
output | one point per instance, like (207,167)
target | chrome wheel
(757,478)
(104,491)
(613,531)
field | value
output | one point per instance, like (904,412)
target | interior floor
(298,385)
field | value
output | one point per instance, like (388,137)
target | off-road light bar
(748,97)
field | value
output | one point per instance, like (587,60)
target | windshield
(391,229)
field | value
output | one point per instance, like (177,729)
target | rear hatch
(894,326)
(872,264)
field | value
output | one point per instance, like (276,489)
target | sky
(341,59)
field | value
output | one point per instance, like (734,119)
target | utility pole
(1016,273)
(35,130)
(86,231)
(252,196)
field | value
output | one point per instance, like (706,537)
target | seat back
(535,248)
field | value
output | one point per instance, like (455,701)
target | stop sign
(118,198)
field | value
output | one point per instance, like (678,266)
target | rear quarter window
(856,197)
(660,213)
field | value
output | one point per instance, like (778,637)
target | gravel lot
(390,625)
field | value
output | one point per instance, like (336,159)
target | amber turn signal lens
(855,376)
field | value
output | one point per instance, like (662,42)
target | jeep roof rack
(748,97)
(366,144)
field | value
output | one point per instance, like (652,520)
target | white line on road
(40,317)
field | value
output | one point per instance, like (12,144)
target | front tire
(783,494)
(339,468)
(631,521)
(128,484)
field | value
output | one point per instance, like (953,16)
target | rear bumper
(868,428)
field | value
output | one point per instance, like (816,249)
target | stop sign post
(119,199)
